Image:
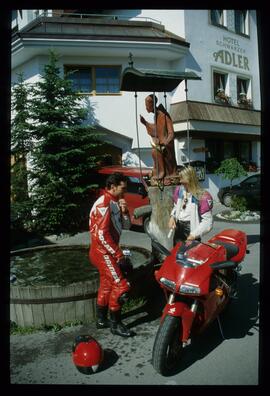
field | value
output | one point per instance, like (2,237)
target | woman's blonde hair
(188,175)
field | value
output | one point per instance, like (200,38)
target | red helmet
(87,354)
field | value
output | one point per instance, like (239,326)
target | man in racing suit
(108,216)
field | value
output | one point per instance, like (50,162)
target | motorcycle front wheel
(167,349)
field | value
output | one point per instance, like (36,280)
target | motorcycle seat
(231,249)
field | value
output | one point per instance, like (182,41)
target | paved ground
(135,237)
(45,357)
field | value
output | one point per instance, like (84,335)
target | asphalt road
(45,357)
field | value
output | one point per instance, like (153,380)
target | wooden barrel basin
(62,289)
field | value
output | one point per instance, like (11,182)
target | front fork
(183,311)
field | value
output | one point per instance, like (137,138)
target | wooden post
(162,204)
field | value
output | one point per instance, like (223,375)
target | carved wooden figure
(162,139)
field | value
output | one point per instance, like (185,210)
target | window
(256,179)
(14,23)
(243,92)
(214,154)
(217,17)
(229,149)
(14,14)
(218,150)
(241,87)
(219,84)
(244,151)
(94,79)
(241,22)
(134,185)
(107,80)
(81,80)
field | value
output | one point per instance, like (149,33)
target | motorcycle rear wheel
(167,349)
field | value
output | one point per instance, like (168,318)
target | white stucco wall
(189,24)
(172,19)
(181,150)
(117,112)
(213,39)
(30,71)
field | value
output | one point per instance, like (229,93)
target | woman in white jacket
(191,216)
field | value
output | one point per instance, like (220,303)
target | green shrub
(239,203)
(231,169)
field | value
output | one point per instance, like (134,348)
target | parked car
(250,188)
(136,194)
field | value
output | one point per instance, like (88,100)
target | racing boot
(117,327)
(102,321)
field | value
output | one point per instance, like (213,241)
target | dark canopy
(144,80)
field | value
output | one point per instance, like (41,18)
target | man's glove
(125,265)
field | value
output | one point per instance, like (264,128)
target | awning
(200,111)
(145,80)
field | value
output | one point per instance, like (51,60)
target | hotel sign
(231,54)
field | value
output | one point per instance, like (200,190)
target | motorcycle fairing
(192,274)
(181,310)
(233,237)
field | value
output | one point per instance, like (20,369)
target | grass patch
(15,329)
(133,303)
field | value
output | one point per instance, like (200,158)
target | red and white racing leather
(105,224)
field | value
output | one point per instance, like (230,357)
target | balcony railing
(99,16)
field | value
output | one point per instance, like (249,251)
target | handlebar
(160,248)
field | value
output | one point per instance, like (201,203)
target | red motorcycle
(198,280)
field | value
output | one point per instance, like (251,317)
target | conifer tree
(63,155)
(21,144)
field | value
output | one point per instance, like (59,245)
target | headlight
(189,289)
(168,283)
